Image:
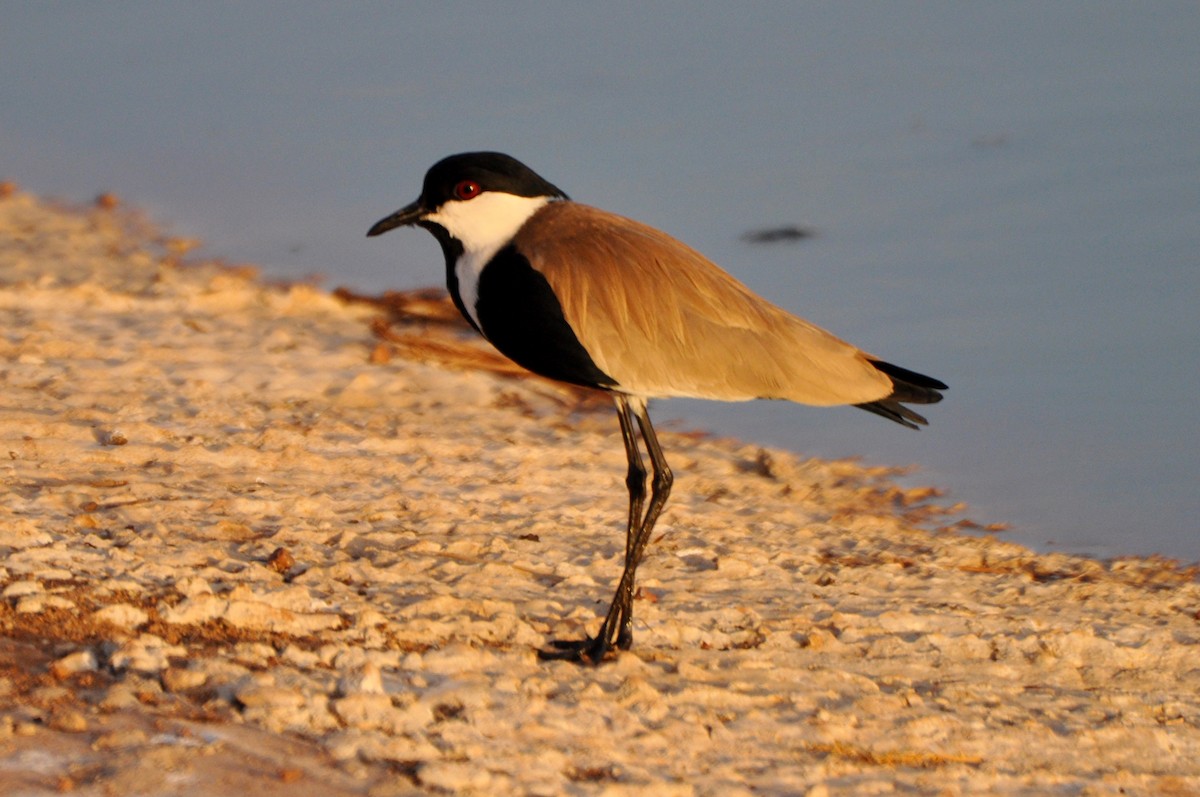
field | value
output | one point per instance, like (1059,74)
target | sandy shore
(255,537)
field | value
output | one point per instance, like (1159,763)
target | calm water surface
(1006,196)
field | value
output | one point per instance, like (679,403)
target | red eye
(467,189)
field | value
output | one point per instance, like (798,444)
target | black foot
(625,638)
(581,651)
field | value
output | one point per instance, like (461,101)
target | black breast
(521,316)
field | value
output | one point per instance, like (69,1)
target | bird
(587,297)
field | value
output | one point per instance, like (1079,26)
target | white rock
(455,776)
(250,614)
(191,586)
(122,615)
(254,695)
(31,604)
(180,679)
(146,654)
(79,661)
(368,680)
(18,589)
(365,711)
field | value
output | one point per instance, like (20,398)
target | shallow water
(1005,196)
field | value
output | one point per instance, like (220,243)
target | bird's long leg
(618,623)
(635,478)
(660,490)
(617,629)
(660,487)
(593,648)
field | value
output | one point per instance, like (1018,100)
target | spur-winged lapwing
(587,297)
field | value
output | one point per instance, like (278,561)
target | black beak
(404,217)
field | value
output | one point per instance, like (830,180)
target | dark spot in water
(775,235)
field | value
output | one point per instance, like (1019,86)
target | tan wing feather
(663,320)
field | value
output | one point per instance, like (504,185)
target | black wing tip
(910,378)
(895,411)
(907,387)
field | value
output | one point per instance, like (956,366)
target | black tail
(909,387)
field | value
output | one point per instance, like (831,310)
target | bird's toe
(581,651)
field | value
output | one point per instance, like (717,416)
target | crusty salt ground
(250,545)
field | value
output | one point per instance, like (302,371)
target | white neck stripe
(483,225)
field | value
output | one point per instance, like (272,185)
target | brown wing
(663,320)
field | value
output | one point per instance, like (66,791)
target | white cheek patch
(483,226)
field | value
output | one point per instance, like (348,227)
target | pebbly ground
(259,537)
